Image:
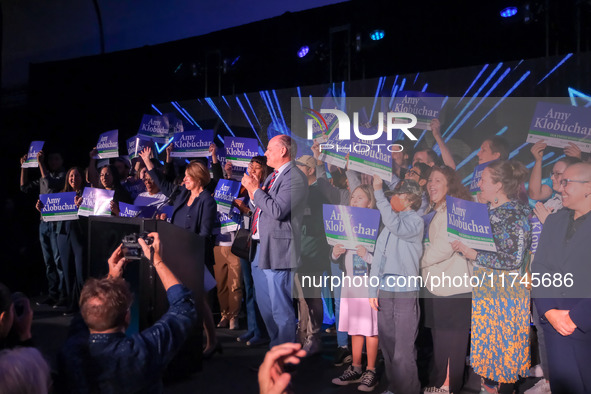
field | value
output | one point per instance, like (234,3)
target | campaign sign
(226,223)
(136,144)
(108,144)
(536,232)
(34,148)
(372,157)
(143,201)
(135,211)
(474,188)
(468,221)
(225,193)
(338,156)
(322,124)
(351,226)
(237,172)
(192,143)
(96,202)
(559,124)
(425,106)
(155,127)
(175,124)
(240,150)
(58,206)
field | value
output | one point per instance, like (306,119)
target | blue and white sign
(108,145)
(351,226)
(155,127)
(135,211)
(58,206)
(240,150)
(468,221)
(96,202)
(225,193)
(136,144)
(34,148)
(192,143)
(425,106)
(559,124)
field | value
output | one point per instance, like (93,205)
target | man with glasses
(560,279)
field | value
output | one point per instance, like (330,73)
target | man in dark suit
(561,272)
(276,228)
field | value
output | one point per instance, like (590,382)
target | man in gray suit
(276,231)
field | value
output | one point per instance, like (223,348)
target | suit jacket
(204,211)
(555,255)
(280,219)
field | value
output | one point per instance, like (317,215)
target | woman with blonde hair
(194,210)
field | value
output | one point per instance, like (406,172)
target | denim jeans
(51,257)
(255,323)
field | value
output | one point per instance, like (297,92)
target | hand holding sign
(213,150)
(436,128)
(93,153)
(572,150)
(338,250)
(316,149)
(469,253)
(537,150)
(361,251)
(377,182)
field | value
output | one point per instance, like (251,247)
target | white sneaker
(440,390)
(541,387)
(536,371)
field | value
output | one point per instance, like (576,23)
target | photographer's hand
(272,378)
(166,276)
(116,263)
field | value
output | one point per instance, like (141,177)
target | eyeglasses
(413,172)
(564,182)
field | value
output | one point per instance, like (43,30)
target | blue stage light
(303,51)
(376,35)
(509,12)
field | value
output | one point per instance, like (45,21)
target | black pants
(449,345)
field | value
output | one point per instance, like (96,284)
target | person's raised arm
(28,187)
(93,175)
(448,159)
(165,186)
(535,189)
(41,163)
(216,167)
(166,276)
(145,154)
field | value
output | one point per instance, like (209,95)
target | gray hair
(24,371)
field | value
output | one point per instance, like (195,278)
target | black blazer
(203,211)
(572,258)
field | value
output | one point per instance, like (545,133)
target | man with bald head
(276,231)
(561,275)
